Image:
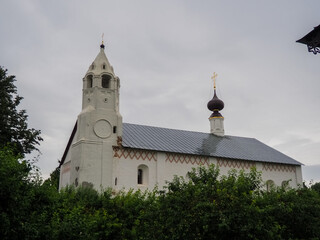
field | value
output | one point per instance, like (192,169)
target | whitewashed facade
(100,155)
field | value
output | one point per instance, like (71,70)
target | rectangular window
(140,172)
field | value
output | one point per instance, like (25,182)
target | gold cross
(214,77)
(102,37)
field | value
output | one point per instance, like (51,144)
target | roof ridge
(143,125)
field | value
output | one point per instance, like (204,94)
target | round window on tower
(102,128)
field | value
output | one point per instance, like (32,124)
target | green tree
(13,122)
(294,212)
(205,205)
(54,178)
(15,193)
(26,205)
(208,206)
(316,187)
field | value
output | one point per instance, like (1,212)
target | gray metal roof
(197,143)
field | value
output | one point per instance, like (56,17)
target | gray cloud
(164,53)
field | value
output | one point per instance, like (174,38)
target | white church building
(105,152)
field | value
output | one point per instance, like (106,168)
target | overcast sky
(164,53)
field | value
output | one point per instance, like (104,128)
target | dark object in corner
(312,40)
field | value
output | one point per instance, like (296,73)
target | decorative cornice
(242,164)
(278,167)
(215,117)
(183,158)
(87,142)
(134,154)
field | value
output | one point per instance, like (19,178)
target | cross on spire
(214,77)
(102,45)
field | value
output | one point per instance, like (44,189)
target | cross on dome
(215,104)
(214,77)
(102,45)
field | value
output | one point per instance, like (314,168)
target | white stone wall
(180,164)
(64,175)
(65,170)
(126,165)
(159,167)
(279,173)
(163,167)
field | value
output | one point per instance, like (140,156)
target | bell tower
(99,125)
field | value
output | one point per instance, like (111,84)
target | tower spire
(101,63)
(102,45)
(215,105)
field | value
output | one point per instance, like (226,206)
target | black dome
(215,104)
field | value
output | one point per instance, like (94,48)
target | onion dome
(215,105)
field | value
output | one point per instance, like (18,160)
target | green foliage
(296,212)
(18,191)
(316,187)
(85,214)
(13,122)
(13,177)
(53,180)
(204,205)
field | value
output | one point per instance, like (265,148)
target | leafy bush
(204,205)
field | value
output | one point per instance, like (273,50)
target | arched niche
(143,175)
(105,81)
(270,185)
(89,81)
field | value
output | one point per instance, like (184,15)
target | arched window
(142,175)
(89,81)
(103,66)
(285,184)
(105,81)
(270,185)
